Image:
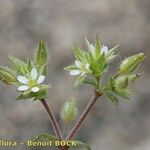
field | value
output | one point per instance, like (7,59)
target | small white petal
(104,49)
(35,89)
(41,79)
(23,88)
(87,66)
(91,47)
(34,74)
(78,63)
(22,79)
(75,72)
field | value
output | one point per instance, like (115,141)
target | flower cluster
(28,76)
(92,64)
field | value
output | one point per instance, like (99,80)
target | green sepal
(7,76)
(111,53)
(37,96)
(43,70)
(41,55)
(124,93)
(19,65)
(79,54)
(41,94)
(71,68)
(99,66)
(26,96)
(79,81)
(97,48)
(30,65)
(122,82)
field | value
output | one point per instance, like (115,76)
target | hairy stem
(81,119)
(52,119)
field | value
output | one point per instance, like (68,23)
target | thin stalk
(53,120)
(81,119)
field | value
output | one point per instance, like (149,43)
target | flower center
(32,83)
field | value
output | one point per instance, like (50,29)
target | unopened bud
(6,75)
(41,55)
(131,63)
(69,111)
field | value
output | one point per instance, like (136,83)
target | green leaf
(45,136)
(7,75)
(81,144)
(41,55)
(112,97)
(19,65)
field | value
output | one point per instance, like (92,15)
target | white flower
(92,48)
(31,81)
(82,68)
(104,49)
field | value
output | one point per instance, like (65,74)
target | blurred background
(64,24)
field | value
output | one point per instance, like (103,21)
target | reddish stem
(81,119)
(53,120)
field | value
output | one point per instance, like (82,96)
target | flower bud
(69,111)
(7,75)
(131,63)
(41,55)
